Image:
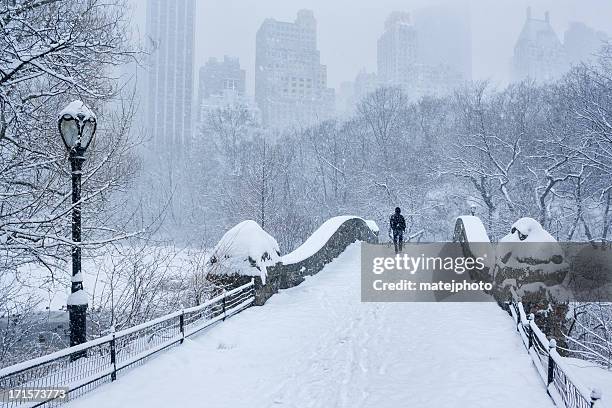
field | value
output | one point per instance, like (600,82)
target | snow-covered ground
(34,279)
(317,345)
(592,375)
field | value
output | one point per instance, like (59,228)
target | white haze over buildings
(348,29)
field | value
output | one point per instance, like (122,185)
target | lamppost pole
(77,126)
(76,309)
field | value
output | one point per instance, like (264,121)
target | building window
(231,84)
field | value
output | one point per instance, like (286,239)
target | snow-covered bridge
(318,345)
(314,343)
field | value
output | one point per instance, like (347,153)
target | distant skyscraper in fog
(290,82)
(222,85)
(365,84)
(397,51)
(445,37)
(345,98)
(352,93)
(402,63)
(170,28)
(223,80)
(538,53)
(218,76)
(582,43)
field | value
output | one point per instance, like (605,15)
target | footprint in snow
(225,346)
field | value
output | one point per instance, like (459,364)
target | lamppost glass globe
(77,125)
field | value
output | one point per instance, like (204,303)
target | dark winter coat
(397,222)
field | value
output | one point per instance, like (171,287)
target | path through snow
(317,345)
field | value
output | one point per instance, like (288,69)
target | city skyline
(232,26)
(363,22)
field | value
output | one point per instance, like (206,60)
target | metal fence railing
(81,368)
(565,391)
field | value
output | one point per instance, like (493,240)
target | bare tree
(53,51)
(383,111)
(228,127)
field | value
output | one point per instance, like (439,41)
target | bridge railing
(565,390)
(81,368)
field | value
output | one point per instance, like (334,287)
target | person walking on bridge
(397,224)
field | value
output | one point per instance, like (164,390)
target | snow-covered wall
(470,232)
(320,237)
(325,244)
(472,229)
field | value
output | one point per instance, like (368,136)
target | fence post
(182,323)
(224,297)
(517,310)
(113,354)
(552,344)
(595,396)
(531,317)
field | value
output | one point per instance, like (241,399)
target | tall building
(445,38)
(402,63)
(397,52)
(345,98)
(222,85)
(223,79)
(582,43)
(290,82)
(170,29)
(365,84)
(538,53)
(217,76)
(351,94)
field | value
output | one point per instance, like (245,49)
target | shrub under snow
(246,249)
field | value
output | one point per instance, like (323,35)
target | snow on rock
(478,240)
(532,261)
(372,225)
(78,298)
(474,229)
(538,246)
(320,237)
(528,230)
(246,249)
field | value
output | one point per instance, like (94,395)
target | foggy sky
(348,29)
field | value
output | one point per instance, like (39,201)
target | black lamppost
(77,125)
